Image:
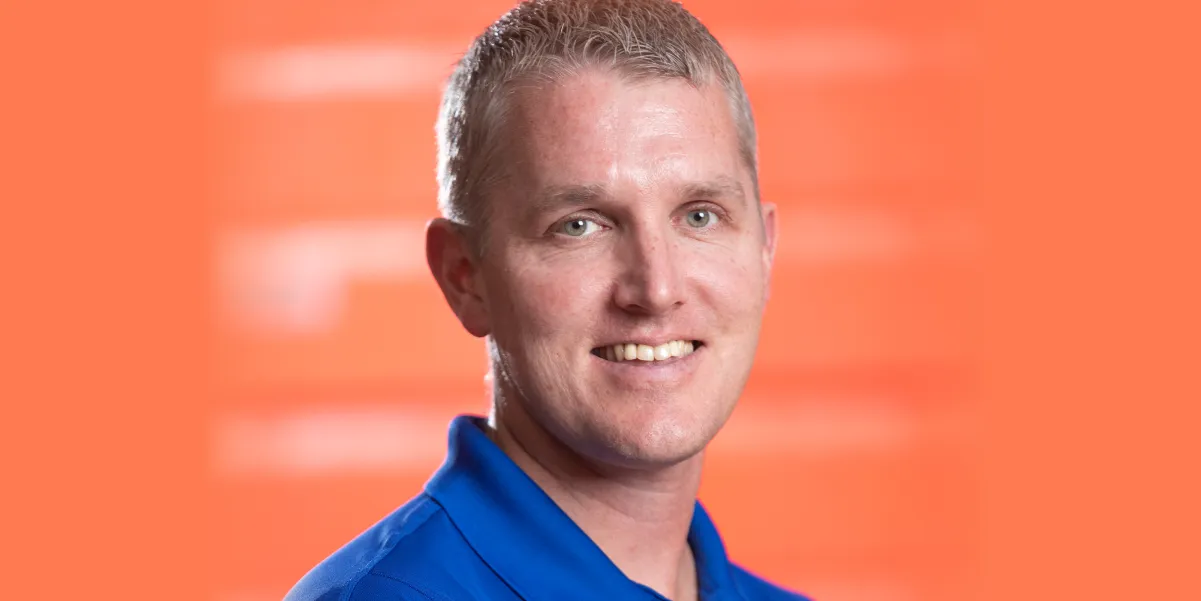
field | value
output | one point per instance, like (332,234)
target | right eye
(578,227)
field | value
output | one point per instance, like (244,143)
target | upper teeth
(644,352)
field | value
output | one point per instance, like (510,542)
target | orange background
(843,471)
(978,369)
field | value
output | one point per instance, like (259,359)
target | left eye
(699,218)
(578,228)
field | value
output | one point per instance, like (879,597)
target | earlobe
(455,269)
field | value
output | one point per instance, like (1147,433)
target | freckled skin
(548,298)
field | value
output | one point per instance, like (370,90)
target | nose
(651,280)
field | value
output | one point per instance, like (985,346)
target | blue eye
(699,218)
(578,228)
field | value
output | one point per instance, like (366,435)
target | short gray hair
(544,40)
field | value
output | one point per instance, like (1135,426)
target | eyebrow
(560,197)
(721,187)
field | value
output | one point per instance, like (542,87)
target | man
(603,233)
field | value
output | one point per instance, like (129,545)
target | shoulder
(754,587)
(404,557)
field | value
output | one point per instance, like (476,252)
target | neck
(639,517)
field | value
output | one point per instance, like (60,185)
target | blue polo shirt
(483,530)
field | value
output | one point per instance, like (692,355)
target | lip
(651,340)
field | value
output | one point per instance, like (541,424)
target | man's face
(628,223)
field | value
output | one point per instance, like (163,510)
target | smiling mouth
(635,352)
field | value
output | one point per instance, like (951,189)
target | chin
(649,443)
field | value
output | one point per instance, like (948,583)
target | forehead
(599,127)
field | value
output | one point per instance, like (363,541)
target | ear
(456,270)
(768,212)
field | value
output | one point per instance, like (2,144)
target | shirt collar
(531,544)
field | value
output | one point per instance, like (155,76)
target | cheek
(548,300)
(732,281)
